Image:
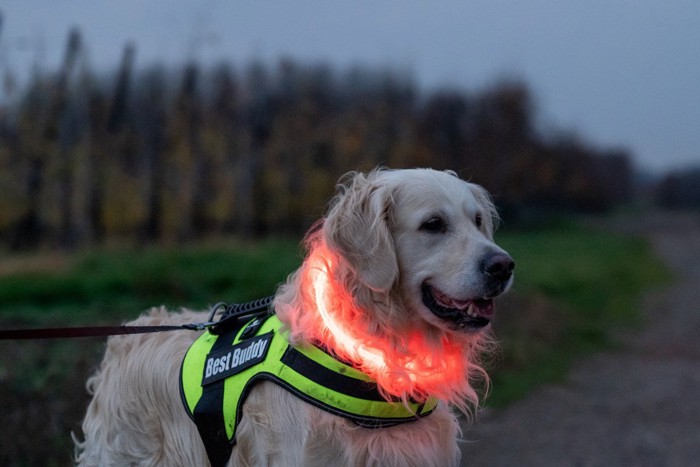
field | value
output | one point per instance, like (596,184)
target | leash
(230,316)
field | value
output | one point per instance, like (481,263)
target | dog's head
(424,237)
(399,279)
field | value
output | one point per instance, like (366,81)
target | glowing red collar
(410,366)
(347,344)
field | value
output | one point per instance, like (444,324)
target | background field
(573,285)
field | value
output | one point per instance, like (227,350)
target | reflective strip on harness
(218,371)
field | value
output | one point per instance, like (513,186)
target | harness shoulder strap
(210,396)
(207,413)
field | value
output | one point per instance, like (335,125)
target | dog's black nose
(499,266)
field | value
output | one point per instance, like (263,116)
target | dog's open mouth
(466,315)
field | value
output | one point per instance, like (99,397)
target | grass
(106,285)
(573,285)
(597,273)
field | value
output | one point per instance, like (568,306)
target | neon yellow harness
(218,372)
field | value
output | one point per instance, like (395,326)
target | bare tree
(62,134)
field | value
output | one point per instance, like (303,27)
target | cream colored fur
(381,256)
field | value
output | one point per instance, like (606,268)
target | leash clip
(198,326)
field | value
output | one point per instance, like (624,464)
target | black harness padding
(332,380)
(208,415)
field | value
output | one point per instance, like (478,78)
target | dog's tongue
(449,302)
(478,307)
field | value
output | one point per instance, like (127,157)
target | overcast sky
(621,74)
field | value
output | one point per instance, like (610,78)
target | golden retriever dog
(398,280)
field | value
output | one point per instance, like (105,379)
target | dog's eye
(477,220)
(434,225)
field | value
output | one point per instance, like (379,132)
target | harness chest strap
(218,372)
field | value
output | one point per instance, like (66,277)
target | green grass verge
(574,287)
(119,284)
(598,274)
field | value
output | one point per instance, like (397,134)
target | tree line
(680,189)
(169,155)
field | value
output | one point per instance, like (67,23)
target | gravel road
(635,406)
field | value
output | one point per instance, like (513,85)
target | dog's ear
(357,228)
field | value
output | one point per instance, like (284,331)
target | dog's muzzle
(477,313)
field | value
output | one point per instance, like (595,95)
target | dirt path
(639,406)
